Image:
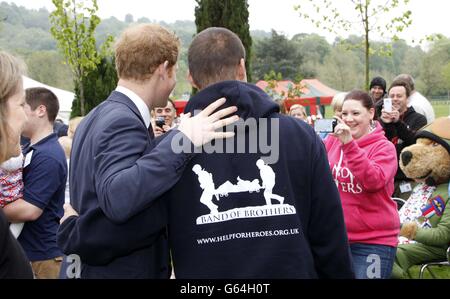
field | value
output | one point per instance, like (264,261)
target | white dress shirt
(138,101)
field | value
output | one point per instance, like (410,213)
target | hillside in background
(26,33)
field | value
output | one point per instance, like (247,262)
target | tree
(433,67)
(129,18)
(74,33)
(312,49)
(98,85)
(2,19)
(272,79)
(276,54)
(446,75)
(341,69)
(372,16)
(47,67)
(144,20)
(231,14)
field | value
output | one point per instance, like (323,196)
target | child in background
(298,111)
(11,187)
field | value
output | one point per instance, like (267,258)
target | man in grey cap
(377,92)
(377,89)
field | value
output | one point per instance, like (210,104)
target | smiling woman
(363,165)
(12,101)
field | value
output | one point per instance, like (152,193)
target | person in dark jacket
(14,263)
(400,126)
(60,128)
(377,89)
(118,171)
(377,92)
(261,205)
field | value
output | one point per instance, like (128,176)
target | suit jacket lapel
(123,99)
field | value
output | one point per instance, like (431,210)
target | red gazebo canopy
(314,93)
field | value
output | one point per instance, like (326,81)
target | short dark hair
(401,82)
(42,96)
(214,56)
(361,96)
(408,79)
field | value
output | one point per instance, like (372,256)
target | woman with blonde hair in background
(337,103)
(13,261)
(66,143)
(298,111)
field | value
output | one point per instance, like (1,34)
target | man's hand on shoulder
(201,128)
(68,212)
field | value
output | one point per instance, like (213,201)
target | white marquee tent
(65,97)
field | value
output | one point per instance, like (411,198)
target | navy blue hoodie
(234,215)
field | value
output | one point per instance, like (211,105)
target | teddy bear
(424,217)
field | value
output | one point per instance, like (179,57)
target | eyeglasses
(161,110)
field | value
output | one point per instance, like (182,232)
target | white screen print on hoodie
(268,178)
(343,173)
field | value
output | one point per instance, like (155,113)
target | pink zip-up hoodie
(364,171)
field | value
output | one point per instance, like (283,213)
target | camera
(387,105)
(160,122)
(325,125)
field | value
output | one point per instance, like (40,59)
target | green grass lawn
(441,109)
(439,271)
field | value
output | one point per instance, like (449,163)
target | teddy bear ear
(438,131)
(441,127)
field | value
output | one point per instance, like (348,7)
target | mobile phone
(325,125)
(387,105)
(160,122)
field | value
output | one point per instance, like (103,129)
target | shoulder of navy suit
(119,97)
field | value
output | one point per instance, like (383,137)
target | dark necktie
(150,131)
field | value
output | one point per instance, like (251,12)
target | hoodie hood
(251,101)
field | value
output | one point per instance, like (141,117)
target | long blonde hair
(66,141)
(73,124)
(11,71)
(338,102)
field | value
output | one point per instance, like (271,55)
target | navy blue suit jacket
(117,174)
